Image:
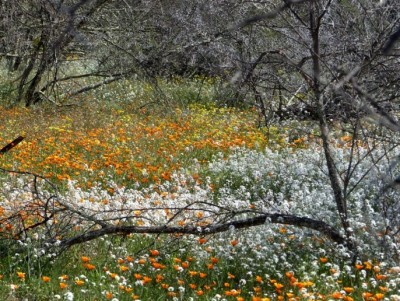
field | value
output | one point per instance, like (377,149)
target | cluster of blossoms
(242,184)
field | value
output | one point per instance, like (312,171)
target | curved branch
(275,218)
(96,85)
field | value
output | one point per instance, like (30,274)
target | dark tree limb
(269,15)
(97,85)
(11,145)
(275,218)
(391,41)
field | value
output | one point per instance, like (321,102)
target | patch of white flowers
(286,181)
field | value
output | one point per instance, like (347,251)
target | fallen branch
(96,85)
(63,224)
(275,218)
(11,145)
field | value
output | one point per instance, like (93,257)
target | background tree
(46,29)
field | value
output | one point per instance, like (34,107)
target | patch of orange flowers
(132,147)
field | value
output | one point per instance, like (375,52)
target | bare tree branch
(391,41)
(306,222)
(270,15)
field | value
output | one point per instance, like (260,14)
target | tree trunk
(320,101)
(31,94)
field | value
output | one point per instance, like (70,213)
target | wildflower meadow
(200,150)
(194,202)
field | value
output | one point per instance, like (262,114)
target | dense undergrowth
(100,155)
